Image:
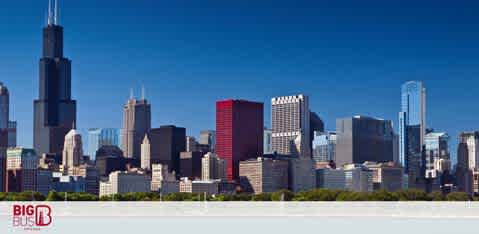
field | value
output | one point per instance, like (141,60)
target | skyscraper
(54,110)
(98,137)
(324,146)
(72,151)
(239,133)
(467,155)
(136,123)
(412,127)
(361,139)
(208,137)
(166,144)
(436,145)
(22,167)
(4,106)
(290,119)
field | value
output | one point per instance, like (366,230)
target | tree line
(282,195)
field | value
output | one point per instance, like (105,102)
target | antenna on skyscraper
(50,13)
(142,92)
(131,93)
(56,13)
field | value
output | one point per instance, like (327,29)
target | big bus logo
(31,216)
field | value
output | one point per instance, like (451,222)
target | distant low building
(351,177)
(386,176)
(160,175)
(125,182)
(67,183)
(199,186)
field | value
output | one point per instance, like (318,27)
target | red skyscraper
(239,133)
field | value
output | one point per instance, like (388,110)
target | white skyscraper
(72,150)
(290,119)
(146,153)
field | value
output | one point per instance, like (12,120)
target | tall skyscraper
(361,139)
(8,128)
(437,148)
(98,137)
(290,118)
(54,110)
(467,155)
(412,127)
(72,151)
(239,133)
(4,106)
(136,123)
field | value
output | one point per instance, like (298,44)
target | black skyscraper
(54,111)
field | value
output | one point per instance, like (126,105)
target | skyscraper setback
(54,110)
(239,133)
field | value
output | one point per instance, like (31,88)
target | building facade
(290,120)
(22,165)
(239,133)
(72,151)
(264,175)
(267,144)
(166,144)
(324,146)
(436,154)
(213,167)
(125,182)
(208,137)
(361,139)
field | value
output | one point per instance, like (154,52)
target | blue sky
(350,57)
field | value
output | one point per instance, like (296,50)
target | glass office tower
(412,127)
(98,137)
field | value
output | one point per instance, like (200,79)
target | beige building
(136,123)
(213,167)
(72,151)
(160,175)
(125,182)
(209,187)
(263,175)
(387,176)
(146,153)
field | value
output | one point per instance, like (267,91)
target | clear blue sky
(349,56)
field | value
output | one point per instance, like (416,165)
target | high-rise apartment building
(98,137)
(136,123)
(412,128)
(72,151)
(324,146)
(54,110)
(22,167)
(290,119)
(239,133)
(361,139)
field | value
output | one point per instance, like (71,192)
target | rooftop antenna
(142,92)
(55,19)
(131,93)
(74,125)
(50,13)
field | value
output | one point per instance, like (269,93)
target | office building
(267,138)
(109,158)
(239,133)
(302,175)
(125,182)
(90,176)
(436,151)
(412,129)
(98,137)
(263,175)
(44,181)
(191,144)
(136,123)
(146,153)
(199,186)
(72,151)
(166,144)
(324,146)
(330,178)
(54,110)
(386,176)
(361,139)
(467,158)
(213,167)
(22,167)
(208,137)
(290,119)
(190,164)
(160,176)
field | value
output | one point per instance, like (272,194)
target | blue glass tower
(98,137)
(412,126)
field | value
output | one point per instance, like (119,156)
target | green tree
(282,195)
(458,196)
(383,195)
(436,196)
(412,195)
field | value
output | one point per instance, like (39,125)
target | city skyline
(235,78)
